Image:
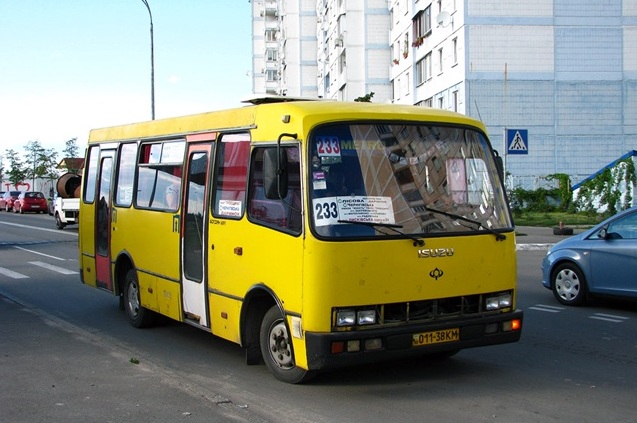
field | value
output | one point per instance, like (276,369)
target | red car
(30,201)
(7,200)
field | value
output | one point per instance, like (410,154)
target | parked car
(7,199)
(599,261)
(30,201)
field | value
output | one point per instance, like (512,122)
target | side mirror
(602,234)
(275,175)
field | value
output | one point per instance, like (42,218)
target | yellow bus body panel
(343,274)
(243,255)
(151,240)
(86,242)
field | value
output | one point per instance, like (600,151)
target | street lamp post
(152,62)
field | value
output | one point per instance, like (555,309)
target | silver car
(599,261)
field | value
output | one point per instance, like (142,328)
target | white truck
(66,208)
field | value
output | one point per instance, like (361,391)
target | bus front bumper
(339,349)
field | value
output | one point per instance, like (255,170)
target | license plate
(435,337)
(35,207)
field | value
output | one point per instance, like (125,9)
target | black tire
(139,317)
(277,351)
(58,222)
(562,231)
(569,284)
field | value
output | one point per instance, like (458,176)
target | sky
(67,66)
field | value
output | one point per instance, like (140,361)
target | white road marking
(608,317)
(42,254)
(12,274)
(57,231)
(53,268)
(546,308)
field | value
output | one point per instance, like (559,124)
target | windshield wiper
(457,217)
(418,242)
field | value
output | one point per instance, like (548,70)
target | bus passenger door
(103,221)
(194,237)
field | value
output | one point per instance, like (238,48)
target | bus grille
(427,310)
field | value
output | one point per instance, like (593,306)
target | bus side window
(159,176)
(91,174)
(278,214)
(230,175)
(125,175)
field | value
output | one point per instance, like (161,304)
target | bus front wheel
(139,316)
(276,348)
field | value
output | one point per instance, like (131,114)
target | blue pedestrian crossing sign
(517,141)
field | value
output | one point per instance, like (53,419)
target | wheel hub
(280,347)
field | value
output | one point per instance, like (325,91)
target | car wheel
(569,284)
(58,222)
(139,316)
(277,351)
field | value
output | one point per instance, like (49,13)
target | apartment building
(562,71)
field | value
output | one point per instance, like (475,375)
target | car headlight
(498,301)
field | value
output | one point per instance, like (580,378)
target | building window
(406,46)
(441,102)
(270,35)
(440,60)
(342,62)
(421,25)
(420,72)
(455,51)
(271,55)
(423,69)
(454,99)
(271,75)
(427,67)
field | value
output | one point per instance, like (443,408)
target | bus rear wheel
(277,351)
(139,316)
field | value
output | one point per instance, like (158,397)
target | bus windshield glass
(388,180)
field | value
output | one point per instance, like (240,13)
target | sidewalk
(51,371)
(531,237)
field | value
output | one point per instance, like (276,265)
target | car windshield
(371,180)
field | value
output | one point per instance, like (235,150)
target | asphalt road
(70,355)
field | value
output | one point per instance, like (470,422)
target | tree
(16,171)
(39,162)
(71,150)
(367,98)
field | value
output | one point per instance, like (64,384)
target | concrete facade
(565,70)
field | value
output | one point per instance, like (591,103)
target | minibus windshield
(403,179)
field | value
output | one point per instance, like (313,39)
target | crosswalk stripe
(608,317)
(547,308)
(53,268)
(12,274)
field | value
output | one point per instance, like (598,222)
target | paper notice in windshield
(329,210)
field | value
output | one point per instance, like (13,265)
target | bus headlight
(345,317)
(498,301)
(366,317)
(355,317)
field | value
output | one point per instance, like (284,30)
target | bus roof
(271,111)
